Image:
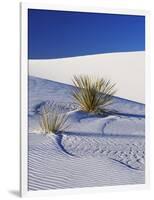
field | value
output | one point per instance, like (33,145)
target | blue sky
(59,34)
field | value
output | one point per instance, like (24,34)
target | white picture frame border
(24,96)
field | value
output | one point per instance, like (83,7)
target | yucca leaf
(91,93)
(51,121)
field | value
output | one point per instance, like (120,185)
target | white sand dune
(126,69)
(93,151)
(51,168)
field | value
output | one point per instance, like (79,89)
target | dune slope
(126,69)
(94,151)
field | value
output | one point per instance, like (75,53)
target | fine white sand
(126,69)
(93,151)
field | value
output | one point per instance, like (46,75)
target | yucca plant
(51,120)
(93,94)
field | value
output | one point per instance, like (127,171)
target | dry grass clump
(93,94)
(52,120)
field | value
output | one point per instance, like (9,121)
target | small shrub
(93,94)
(51,120)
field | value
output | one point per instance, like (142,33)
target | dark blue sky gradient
(58,34)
